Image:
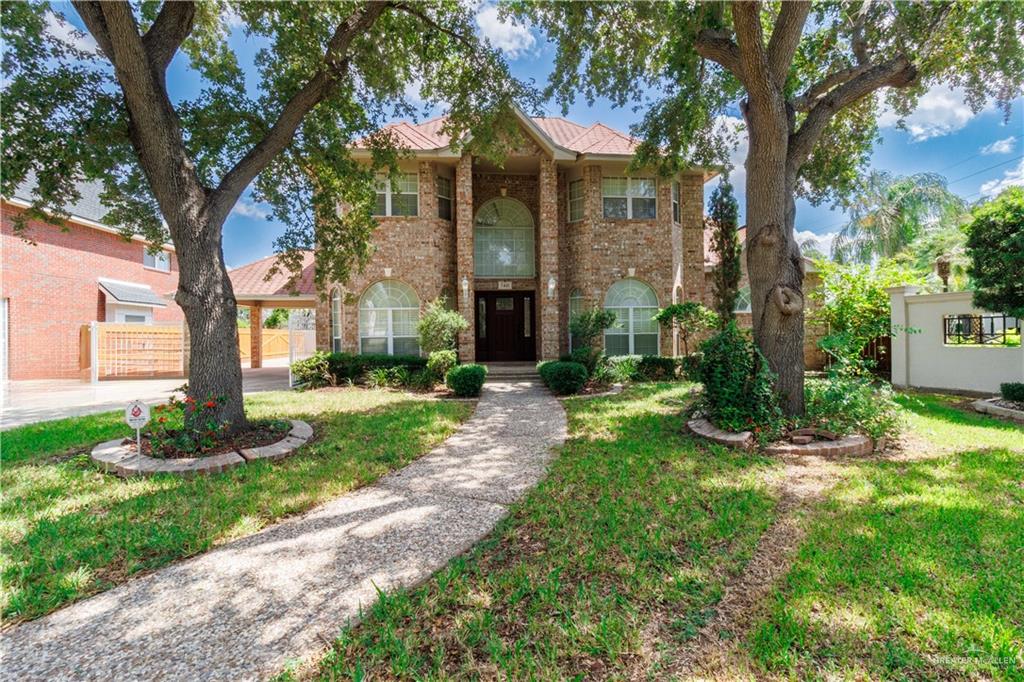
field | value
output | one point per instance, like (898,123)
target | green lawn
(67,530)
(911,569)
(634,521)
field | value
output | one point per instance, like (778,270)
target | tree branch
(789,28)
(92,17)
(896,72)
(414,11)
(746,17)
(280,134)
(807,100)
(172,25)
(719,47)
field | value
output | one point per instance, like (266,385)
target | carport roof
(253,282)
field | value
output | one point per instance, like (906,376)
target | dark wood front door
(505,326)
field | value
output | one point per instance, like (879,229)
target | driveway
(26,402)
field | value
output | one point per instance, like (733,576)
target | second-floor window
(444,198)
(575,200)
(629,198)
(398,199)
(161,260)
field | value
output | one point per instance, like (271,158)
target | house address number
(503,286)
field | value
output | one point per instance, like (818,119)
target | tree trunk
(774,266)
(208,301)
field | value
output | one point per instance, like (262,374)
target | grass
(634,523)
(68,531)
(912,569)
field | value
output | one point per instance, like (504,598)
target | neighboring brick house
(60,279)
(814,358)
(560,227)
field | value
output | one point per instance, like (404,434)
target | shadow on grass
(69,530)
(912,570)
(633,520)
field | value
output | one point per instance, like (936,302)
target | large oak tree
(173,165)
(804,77)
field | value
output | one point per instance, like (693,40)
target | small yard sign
(136,414)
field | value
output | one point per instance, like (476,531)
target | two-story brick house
(560,227)
(53,280)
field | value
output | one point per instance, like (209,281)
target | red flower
(210,403)
(162,419)
(189,399)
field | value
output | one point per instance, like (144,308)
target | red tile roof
(595,139)
(250,281)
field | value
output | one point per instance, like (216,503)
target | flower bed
(1000,408)
(801,441)
(119,456)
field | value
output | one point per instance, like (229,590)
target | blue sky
(978,153)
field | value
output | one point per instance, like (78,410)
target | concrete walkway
(27,402)
(239,612)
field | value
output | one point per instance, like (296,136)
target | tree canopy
(321,77)
(995,245)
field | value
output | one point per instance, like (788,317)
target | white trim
(85,222)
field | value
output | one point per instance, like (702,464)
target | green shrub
(389,377)
(849,405)
(625,367)
(352,367)
(1013,392)
(738,386)
(378,377)
(440,361)
(689,366)
(314,371)
(586,356)
(422,380)
(642,368)
(588,326)
(439,326)
(564,378)
(656,368)
(603,375)
(466,380)
(689,319)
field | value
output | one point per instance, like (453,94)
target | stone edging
(988,406)
(114,457)
(854,444)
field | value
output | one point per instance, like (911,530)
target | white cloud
(512,39)
(249,210)
(1012,177)
(1000,146)
(940,111)
(64,31)
(821,242)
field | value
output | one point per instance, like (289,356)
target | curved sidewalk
(241,611)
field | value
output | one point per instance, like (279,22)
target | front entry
(505,326)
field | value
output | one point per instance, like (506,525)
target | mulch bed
(260,433)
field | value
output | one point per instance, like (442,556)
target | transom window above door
(503,240)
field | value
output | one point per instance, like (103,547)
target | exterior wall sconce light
(465,287)
(551,286)
(632,272)
(504,191)
(387,272)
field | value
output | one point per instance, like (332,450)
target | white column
(900,342)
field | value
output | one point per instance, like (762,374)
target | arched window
(388,313)
(634,332)
(503,240)
(336,319)
(575,308)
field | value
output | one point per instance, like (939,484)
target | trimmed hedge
(1013,391)
(466,380)
(325,369)
(564,378)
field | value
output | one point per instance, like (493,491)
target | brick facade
(435,256)
(52,290)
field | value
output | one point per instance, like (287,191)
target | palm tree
(892,212)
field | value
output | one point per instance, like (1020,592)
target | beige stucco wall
(922,360)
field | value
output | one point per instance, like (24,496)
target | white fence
(941,354)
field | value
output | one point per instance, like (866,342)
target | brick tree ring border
(854,444)
(113,456)
(990,406)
